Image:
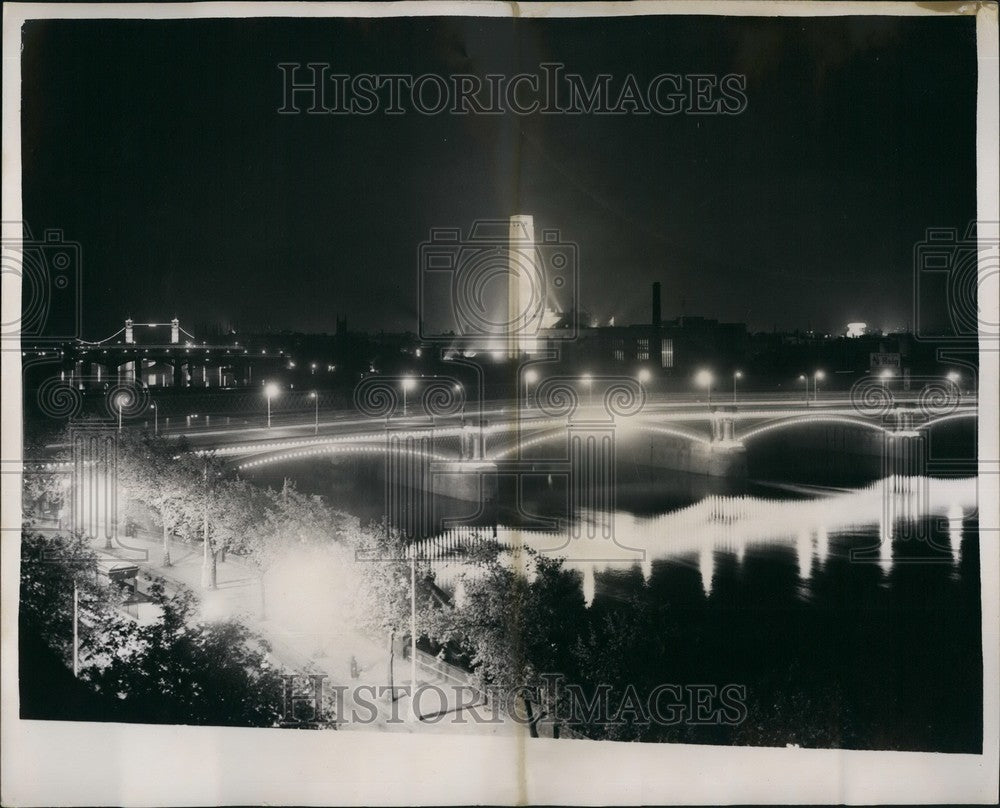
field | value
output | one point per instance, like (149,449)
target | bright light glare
(531,376)
(738,374)
(704,378)
(586,378)
(820,375)
(954,376)
(885,374)
(271,390)
(644,375)
(409,383)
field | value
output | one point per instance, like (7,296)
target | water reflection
(862,525)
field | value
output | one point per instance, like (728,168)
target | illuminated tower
(525,290)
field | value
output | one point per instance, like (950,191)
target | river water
(850,612)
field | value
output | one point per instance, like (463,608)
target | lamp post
(530,377)
(704,379)
(76,630)
(885,375)
(818,376)
(315,399)
(804,378)
(408,384)
(413,629)
(118,402)
(270,391)
(736,376)
(156,420)
(955,377)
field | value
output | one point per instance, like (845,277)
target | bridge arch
(952,416)
(803,420)
(260,460)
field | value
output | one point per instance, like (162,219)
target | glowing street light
(530,377)
(954,376)
(738,374)
(885,375)
(408,384)
(588,380)
(270,391)
(804,378)
(120,404)
(156,420)
(704,379)
(644,376)
(315,399)
(818,376)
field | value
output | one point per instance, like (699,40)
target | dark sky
(157,146)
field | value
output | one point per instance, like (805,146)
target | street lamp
(530,377)
(885,375)
(156,420)
(270,391)
(736,376)
(408,384)
(119,402)
(804,378)
(644,376)
(818,376)
(704,379)
(588,380)
(315,399)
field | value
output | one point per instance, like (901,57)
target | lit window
(667,353)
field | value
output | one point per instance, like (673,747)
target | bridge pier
(722,457)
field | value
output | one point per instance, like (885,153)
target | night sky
(157,146)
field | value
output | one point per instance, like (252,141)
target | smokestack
(657,318)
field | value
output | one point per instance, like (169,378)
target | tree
(180,671)
(173,670)
(383,605)
(521,617)
(287,520)
(52,567)
(155,476)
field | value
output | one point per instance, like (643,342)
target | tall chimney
(657,318)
